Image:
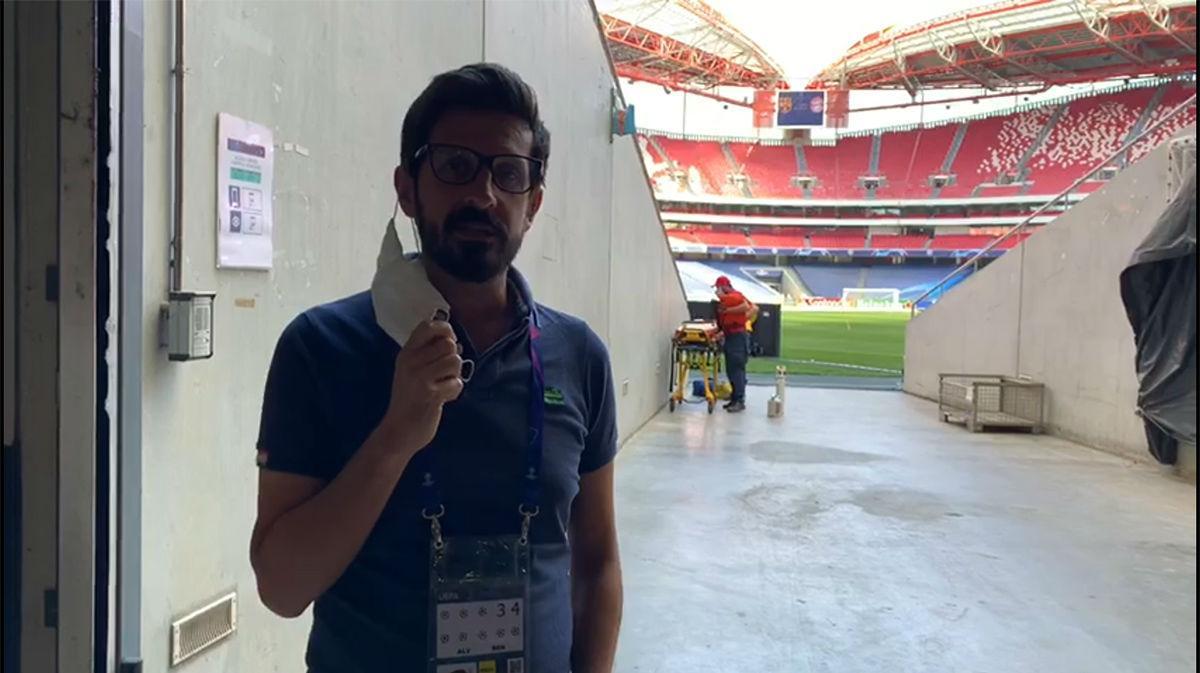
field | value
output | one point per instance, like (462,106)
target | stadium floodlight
(871,299)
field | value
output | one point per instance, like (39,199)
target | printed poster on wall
(245,172)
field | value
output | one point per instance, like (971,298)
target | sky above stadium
(805,36)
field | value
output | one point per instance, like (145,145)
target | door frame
(51,316)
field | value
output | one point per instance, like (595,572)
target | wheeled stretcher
(696,346)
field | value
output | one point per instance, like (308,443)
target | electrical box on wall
(190,326)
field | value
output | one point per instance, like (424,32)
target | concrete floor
(857,533)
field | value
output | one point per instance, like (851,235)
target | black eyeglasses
(455,165)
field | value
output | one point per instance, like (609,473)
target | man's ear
(406,191)
(535,204)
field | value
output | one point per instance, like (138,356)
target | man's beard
(468,260)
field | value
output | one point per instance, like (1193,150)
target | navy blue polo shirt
(327,390)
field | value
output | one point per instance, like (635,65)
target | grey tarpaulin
(1158,287)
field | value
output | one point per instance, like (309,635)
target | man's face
(816,104)
(471,231)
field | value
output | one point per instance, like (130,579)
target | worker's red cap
(724,281)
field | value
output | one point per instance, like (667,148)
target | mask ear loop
(412,221)
(392,224)
(416,236)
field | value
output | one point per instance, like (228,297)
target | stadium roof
(1022,43)
(684,45)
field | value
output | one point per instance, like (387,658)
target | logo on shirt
(554,397)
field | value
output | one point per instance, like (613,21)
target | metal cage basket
(981,401)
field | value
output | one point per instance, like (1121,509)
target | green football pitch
(839,344)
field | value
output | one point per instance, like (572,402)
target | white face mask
(401,291)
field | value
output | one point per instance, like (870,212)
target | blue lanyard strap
(432,506)
(537,424)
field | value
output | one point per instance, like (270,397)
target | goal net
(872,299)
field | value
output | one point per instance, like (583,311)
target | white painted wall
(647,294)
(597,249)
(337,78)
(1053,311)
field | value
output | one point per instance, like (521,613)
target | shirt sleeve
(600,445)
(290,430)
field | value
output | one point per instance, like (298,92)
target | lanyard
(432,506)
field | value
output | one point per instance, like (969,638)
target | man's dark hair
(483,87)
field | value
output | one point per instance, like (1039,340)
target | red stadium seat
(797,239)
(1175,95)
(1090,130)
(705,157)
(899,241)
(908,158)
(994,146)
(960,242)
(770,169)
(849,240)
(838,167)
(723,238)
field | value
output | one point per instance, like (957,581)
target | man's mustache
(471,218)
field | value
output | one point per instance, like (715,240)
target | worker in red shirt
(734,312)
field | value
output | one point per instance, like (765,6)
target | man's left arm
(595,562)
(595,574)
(742,307)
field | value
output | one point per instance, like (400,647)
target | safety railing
(1062,196)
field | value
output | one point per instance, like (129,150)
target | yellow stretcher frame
(695,347)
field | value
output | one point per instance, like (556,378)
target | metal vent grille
(200,630)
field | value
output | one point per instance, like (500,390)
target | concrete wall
(1052,310)
(597,248)
(336,78)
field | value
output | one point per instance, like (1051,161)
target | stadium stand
(738,269)
(999,190)
(908,158)
(899,241)
(797,238)
(994,146)
(699,279)
(683,234)
(1015,240)
(650,149)
(838,167)
(705,157)
(658,167)
(1175,95)
(960,242)
(722,238)
(839,240)
(911,279)
(828,280)
(1090,129)
(851,240)
(770,169)
(1042,150)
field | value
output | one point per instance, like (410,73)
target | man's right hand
(428,375)
(309,530)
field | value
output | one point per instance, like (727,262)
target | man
(816,104)
(734,312)
(380,463)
